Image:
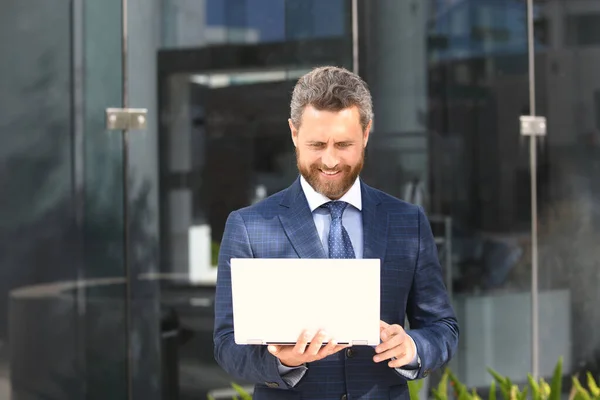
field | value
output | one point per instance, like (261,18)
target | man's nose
(330,159)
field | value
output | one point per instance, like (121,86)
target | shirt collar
(315,200)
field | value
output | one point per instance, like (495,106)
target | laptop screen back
(274,300)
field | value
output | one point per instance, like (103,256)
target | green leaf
(556,384)
(460,388)
(474,395)
(243,394)
(464,395)
(493,391)
(209,397)
(503,383)
(592,385)
(545,389)
(414,387)
(509,382)
(581,392)
(437,395)
(443,385)
(573,393)
(535,388)
(513,393)
(441,392)
(523,394)
(499,378)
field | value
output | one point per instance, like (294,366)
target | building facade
(109,237)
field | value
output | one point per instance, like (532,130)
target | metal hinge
(123,119)
(533,126)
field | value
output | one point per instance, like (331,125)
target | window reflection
(193,23)
(230,138)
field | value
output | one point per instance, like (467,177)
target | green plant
(414,387)
(540,390)
(578,392)
(240,391)
(534,390)
(459,390)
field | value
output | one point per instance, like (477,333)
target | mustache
(325,169)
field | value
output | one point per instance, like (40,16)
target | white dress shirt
(351,219)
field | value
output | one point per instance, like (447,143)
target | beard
(330,188)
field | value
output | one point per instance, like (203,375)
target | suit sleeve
(250,363)
(434,327)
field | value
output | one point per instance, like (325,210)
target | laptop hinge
(360,342)
(255,341)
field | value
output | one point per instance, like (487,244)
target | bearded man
(329,212)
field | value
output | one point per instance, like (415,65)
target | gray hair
(331,89)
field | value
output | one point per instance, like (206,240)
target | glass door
(450,81)
(66,314)
(98,154)
(565,49)
(447,137)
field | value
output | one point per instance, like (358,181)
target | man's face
(330,149)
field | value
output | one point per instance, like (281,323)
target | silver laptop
(275,299)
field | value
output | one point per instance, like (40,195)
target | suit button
(350,353)
(426,372)
(272,384)
(344,397)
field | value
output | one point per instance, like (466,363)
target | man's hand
(395,343)
(294,356)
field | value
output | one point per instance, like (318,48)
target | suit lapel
(375,224)
(298,223)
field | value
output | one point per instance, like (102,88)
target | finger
(331,348)
(303,339)
(391,342)
(273,349)
(316,343)
(399,362)
(398,352)
(396,341)
(383,325)
(328,349)
(390,331)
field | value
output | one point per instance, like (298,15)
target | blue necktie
(340,245)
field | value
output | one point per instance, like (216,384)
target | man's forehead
(312,110)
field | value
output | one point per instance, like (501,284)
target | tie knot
(336,208)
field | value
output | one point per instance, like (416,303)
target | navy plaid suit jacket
(397,233)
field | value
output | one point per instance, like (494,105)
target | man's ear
(367,133)
(294,132)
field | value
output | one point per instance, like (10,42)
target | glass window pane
(449,80)
(63,294)
(567,85)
